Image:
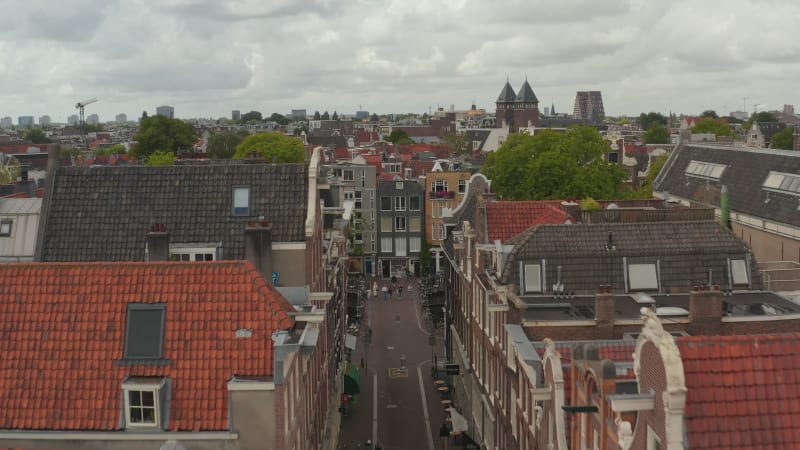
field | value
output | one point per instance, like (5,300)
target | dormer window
(784,182)
(642,277)
(144,397)
(739,272)
(532,278)
(241,201)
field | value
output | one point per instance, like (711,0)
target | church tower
(515,110)
(504,112)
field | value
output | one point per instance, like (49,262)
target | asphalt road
(399,407)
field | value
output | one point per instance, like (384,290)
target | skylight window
(144,338)
(785,182)
(705,169)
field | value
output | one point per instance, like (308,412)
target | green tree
(223,145)
(279,119)
(161,158)
(656,134)
(374,118)
(709,113)
(10,171)
(325,116)
(317,115)
(37,136)
(335,116)
(783,140)
(115,149)
(399,137)
(459,144)
(652,172)
(554,165)
(759,117)
(645,120)
(163,133)
(252,116)
(714,126)
(273,146)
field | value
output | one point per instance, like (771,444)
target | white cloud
(209,56)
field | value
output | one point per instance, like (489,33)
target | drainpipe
(725,210)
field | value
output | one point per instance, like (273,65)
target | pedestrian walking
(385,290)
(375,290)
(399,291)
(391,292)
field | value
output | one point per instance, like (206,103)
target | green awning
(352,380)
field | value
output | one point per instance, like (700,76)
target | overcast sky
(208,57)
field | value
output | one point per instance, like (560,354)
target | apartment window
(386,203)
(347,174)
(358,199)
(400,246)
(462,186)
(440,185)
(532,277)
(5,227)
(476,145)
(392,167)
(190,252)
(400,223)
(349,195)
(400,203)
(398,185)
(386,224)
(613,157)
(241,201)
(642,276)
(144,333)
(413,203)
(442,232)
(739,272)
(415,244)
(143,399)
(386,245)
(414,224)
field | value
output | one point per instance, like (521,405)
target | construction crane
(80,106)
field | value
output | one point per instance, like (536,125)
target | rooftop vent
(244,333)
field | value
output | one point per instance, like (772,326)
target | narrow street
(399,407)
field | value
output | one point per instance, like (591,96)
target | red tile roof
(506,219)
(743,391)
(62,335)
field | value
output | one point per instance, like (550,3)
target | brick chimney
(604,312)
(158,243)
(258,246)
(705,310)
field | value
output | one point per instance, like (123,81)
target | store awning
(352,380)
(459,422)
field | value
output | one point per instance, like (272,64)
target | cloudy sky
(207,57)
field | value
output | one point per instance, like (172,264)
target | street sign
(452,369)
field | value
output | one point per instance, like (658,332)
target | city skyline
(207,58)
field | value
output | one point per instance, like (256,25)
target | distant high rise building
(167,111)
(44,121)
(236,115)
(6,122)
(93,119)
(25,121)
(788,109)
(121,118)
(741,115)
(516,110)
(72,121)
(546,110)
(361,115)
(589,106)
(299,114)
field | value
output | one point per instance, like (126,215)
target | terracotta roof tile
(506,219)
(62,338)
(742,391)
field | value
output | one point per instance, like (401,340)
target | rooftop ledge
(632,402)
(121,435)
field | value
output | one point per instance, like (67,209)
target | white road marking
(375,408)
(424,405)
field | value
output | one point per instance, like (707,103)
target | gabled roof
(745,172)
(505,219)
(507,95)
(769,129)
(329,141)
(63,331)
(743,391)
(477,135)
(104,213)
(525,94)
(419,167)
(685,253)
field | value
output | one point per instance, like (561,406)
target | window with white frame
(5,227)
(143,400)
(414,224)
(400,246)
(739,273)
(400,223)
(398,185)
(347,174)
(349,195)
(413,203)
(392,167)
(386,244)
(442,232)
(241,200)
(532,277)
(705,169)
(439,185)
(414,244)
(462,186)
(785,182)
(386,224)
(642,276)
(178,252)
(358,199)
(400,203)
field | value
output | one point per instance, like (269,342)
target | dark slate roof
(685,252)
(746,172)
(526,94)
(507,95)
(467,210)
(104,213)
(327,141)
(477,135)
(769,129)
